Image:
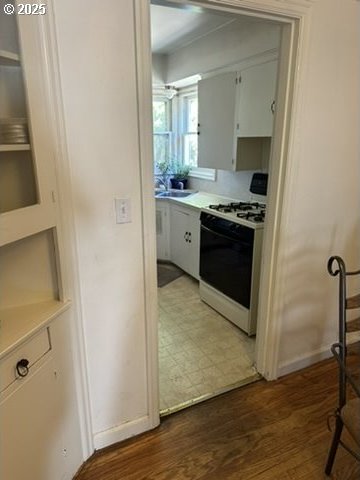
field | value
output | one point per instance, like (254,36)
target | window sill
(203,173)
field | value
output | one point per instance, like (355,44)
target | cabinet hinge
(240,79)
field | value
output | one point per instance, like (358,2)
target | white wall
(227,46)
(323,186)
(97,66)
(96,47)
(158,69)
(230,184)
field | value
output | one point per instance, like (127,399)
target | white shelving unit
(34,315)
(28,217)
(9,58)
(23,147)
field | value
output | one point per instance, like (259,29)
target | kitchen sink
(172,194)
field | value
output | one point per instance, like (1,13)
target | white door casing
(295,16)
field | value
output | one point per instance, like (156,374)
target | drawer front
(32,351)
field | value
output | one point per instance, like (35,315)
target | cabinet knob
(22,367)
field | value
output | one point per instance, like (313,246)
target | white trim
(315,356)
(296,18)
(280,8)
(66,234)
(203,173)
(295,45)
(263,57)
(122,432)
(144,77)
(304,361)
(271,305)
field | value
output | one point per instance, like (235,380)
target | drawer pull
(22,367)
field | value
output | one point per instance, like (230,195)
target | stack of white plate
(13,131)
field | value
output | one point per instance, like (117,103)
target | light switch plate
(123,210)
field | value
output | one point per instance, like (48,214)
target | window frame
(177,115)
(184,95)
(170,132)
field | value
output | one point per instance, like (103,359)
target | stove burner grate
(252,211)
(254,216)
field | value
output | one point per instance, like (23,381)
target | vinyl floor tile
(200,352)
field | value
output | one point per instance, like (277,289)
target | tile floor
(200,352)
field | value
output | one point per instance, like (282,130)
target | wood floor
(266,430)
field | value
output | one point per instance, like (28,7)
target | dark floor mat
(167,273)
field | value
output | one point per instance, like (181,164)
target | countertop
(198,200)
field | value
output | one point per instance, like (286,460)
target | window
(175,127)
(161,129)
(189,130)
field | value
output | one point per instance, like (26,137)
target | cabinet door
(185,239)
(217,99)
(194,244)
(178,238)
(31,428)
(162,230)
(26,134)
(256,96)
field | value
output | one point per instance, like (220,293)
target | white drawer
(32,351)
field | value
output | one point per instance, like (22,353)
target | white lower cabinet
(40,432)
(31,427)
(162,230)
(185,238)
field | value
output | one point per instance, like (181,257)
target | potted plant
(164,169)
(180,173)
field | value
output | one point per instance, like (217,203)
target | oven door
(226,259)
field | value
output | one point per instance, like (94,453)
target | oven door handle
(221,235)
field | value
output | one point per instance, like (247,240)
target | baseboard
(304,361)
(121,432)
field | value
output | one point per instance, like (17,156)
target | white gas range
(230,260)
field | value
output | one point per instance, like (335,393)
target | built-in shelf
(19,147)
(23,222)
(9,59)
(19,323)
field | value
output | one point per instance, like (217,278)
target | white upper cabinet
(217,102)
(256,103)
(29,256)
(27,181)
(236,111)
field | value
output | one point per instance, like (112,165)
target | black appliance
(226,257)
(259,183)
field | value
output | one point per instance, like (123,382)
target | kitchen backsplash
(230,184)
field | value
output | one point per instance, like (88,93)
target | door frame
(295,15)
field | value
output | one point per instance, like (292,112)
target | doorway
(266,333)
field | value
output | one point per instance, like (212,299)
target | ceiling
(172,28)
